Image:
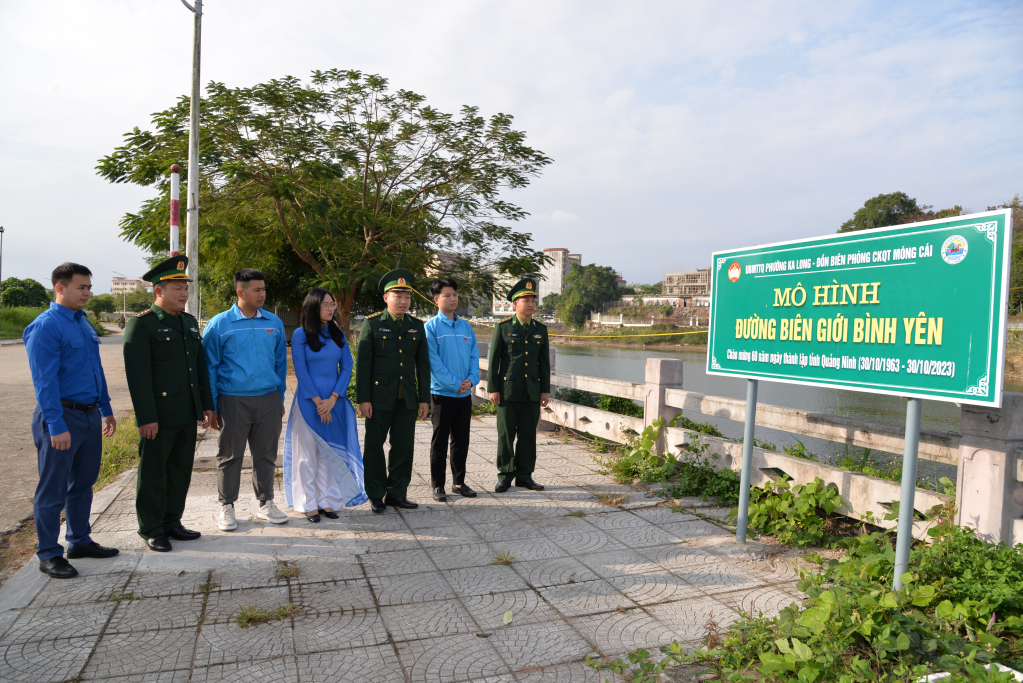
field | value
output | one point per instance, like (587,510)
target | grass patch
(288,570)
(14,320)
(208,587)
(487,408)
(611,499)
(577,513)
(118,597)
(120,451)
(504,557)
(252,615)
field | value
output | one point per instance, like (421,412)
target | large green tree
(103,303)
(1016,274)
(27,292)
(896,208)
(349,176)
(586,288)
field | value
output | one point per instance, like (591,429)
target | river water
(629,365)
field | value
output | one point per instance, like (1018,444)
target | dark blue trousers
(65,480)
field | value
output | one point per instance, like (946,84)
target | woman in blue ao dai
(322,460)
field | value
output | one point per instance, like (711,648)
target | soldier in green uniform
(388,391)
(519,382)
(170,390)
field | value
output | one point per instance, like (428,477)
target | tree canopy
(27,292)
(896,208)
(102,303)
(586,288)
(341,177)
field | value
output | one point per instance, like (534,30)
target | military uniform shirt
(520,361)
(392,362)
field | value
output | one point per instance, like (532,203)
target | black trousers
(451,417)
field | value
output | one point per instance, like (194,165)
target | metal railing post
(747,460)
(905,534)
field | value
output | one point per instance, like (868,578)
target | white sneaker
(226,521)
(270,513)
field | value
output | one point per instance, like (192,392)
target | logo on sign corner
(954,249)
(734,271)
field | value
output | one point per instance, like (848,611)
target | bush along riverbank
(960,611)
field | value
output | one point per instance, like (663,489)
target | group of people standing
(232,376)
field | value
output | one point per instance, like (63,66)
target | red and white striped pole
(175,209)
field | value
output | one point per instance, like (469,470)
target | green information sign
(915,310)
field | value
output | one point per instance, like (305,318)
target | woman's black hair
(310,321)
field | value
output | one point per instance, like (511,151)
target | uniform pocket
(386,342)
(380,385)
(165,392)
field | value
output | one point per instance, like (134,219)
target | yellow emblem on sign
(181,265)
(401,281)
(529,285)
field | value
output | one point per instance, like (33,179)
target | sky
(676,128)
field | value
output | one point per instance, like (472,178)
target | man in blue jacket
(247,358)
(454,370)
(72,413)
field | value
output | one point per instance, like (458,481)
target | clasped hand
(324,406)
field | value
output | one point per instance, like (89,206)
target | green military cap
(524,287)
(171,269)
(399,279)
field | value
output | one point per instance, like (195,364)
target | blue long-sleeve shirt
(324,372)
(245,356)
(63,355)
(454,355)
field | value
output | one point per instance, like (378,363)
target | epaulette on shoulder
(505,320)
(414,317)
(375,315)
(144,313)
(539,323)
(188,314)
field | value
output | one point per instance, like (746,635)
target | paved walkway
(401,596)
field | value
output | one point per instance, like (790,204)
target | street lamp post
(192,226)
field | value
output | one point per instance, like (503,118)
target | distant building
(687,285)
(553,281)
(502,308)
(123,285)
(619,280)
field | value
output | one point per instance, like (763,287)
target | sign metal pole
(906,511)
(747,460)
(175,209)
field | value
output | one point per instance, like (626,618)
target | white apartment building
(122,285)
(502,308)
(553,281)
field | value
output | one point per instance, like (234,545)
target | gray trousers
(257,421)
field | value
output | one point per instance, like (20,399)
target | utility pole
(192,226)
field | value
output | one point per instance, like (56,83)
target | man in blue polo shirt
(247,358)
(73,411)
(454,370)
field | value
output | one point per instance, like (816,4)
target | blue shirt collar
(448,320)
(65,311)
(236,313)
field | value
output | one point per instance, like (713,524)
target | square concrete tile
(322,631)
(248,575)
(385,541)
(618,633)
(688,619)
(767,601)
(482,580)
(650,589)
(643,536)
(399,590)
(459,556)
(530,549)
(694,528)
(554,571)
(276,670)
(618,563)
(427,620)
(331,597)
(138,652)
(173,676)
(226,642)
(590,541)
(397,562)
(44,661)
(82,589)
(537,645)
(453,658)
(322,569)
(152,584)
(223,606)
(586,597)
(569,672)
(51,623)
(526,606)
(152,614)
(365,665)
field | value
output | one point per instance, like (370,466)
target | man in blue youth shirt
(63,355)
(454,370)
(247,358)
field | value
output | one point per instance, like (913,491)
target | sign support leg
(906,510)
(747,460)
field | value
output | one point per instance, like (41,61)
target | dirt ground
(17,452)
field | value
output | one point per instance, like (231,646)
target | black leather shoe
(438,495)
(329,514)
(463,490)
(403,503)
(183,534)
(160,543)
(377,505)
(502,486)
(528,484)
(57,568)
(93,549)
(315,519)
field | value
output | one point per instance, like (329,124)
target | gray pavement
(17,397)
(402,596)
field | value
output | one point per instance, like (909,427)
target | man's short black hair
(67,270)
(247,275)
(438,285)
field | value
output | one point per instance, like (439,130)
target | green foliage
(695,476)
(613,404)
(894,209)
(485,408)
(344,173)
(702,427)
(795,514)
(586,287)
(799,450)
(13,321)
(760,443)
(120,451)
(867,464)
(102,303)
(138,300)
(99,329)
(27,293)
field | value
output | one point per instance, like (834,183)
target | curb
(11,342)
(22,588)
